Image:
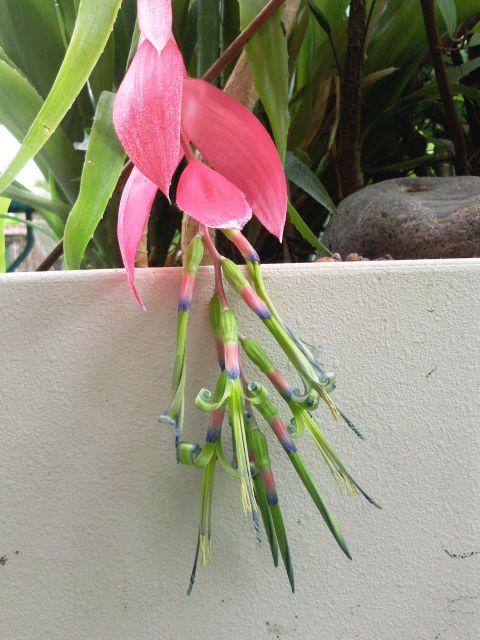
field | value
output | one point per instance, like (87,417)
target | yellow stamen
(330,404)
(202,547)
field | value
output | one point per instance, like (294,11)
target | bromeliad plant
(228,169)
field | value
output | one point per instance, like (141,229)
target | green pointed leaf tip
(94,23)
(305,231)
(262,501)
(302,176)
(104,162)
(317,498)
(267,55)
(320,17)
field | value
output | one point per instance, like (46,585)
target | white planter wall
(98,524)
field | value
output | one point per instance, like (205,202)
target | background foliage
(62,60)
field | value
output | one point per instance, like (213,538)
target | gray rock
(410,218)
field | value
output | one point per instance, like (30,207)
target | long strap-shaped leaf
(101,171)
(19,104)
(93,26)
(268,58)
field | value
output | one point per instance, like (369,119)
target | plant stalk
(350,145)
(452,120)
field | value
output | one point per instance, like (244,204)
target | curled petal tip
(135,204)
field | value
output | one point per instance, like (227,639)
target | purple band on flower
(280,430)
(244,246)
(270,488)
(186,291)
(220,352)
(232,366)
(215,425)
(256,303)
(281,385)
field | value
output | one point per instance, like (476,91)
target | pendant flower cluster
(229,169)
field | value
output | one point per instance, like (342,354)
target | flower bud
(216,310)
(235,277)
(230,340)
(257,354)
(193,255)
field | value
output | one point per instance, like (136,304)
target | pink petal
(235,144)
(155,21)
(211,199)
(146,112)
(135,204)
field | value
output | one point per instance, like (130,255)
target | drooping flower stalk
(228,170)
(174,415)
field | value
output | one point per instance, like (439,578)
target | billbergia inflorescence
(243,409)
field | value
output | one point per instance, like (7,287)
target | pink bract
(146,112)
(155,21)
(236,145)
(211,199)
(135,204)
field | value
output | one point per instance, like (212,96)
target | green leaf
(455,74)
(208,34)
(103,76)
(320,17)
(4,204)
(11,220)
(25,196)
(103,165)
(448,10)
(58,156)
(303,177)
(268,59)
(305,231)
(93,26)
(39,47)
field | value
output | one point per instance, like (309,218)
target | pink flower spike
(146,112)
(155,21)
(236,145)
(135,204)
(211,199)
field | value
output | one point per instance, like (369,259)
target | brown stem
(52,257)
(350,143)
(211,74)
(452,120)
(241,40)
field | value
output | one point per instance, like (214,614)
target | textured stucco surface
(98,524)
